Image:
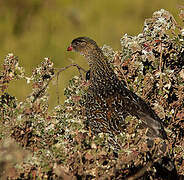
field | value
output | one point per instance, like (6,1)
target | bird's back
(108,101)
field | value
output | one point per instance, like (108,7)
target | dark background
(34,29)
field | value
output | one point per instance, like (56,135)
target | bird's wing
(136,106)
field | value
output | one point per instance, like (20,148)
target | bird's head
(98,63)
(84,46)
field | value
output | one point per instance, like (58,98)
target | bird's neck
(101,72)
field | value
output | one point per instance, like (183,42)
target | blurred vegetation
(36,29)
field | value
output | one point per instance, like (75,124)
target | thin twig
(57,89)
(63,69)
(71,65)
(41,92)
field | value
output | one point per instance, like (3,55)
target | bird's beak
(70,48)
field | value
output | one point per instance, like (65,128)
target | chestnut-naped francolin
(108,101)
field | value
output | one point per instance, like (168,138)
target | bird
(108,101)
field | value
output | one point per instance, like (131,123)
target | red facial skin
(70,48)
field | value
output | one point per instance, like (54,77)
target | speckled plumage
(108,101)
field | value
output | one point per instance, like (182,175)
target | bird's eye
(83,43)
(79,43)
